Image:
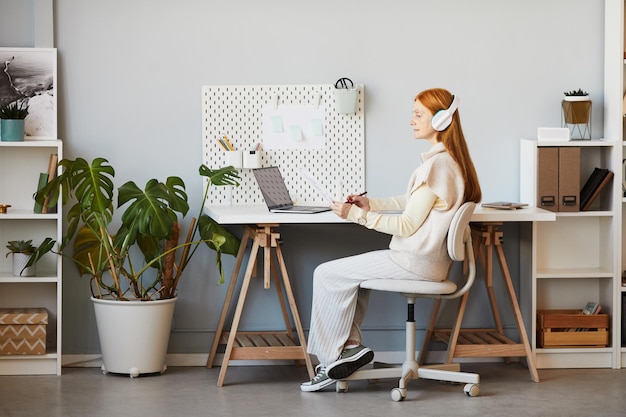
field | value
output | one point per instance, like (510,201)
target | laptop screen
(272,187)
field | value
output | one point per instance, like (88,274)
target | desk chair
(459,244)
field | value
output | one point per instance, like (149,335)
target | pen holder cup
(234,158)
(252,159)
(346,100)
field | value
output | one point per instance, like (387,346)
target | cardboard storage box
(572,328)
(558,178)
(23,331)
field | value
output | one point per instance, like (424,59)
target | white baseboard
(200,359)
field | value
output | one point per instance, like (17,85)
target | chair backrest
(459,231)
(460,248)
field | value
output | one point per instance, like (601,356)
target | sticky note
(317,128)
(277,124)
(295,132)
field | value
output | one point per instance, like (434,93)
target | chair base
(411,370)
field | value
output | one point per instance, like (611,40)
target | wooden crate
(571,328)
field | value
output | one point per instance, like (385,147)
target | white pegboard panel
(237,112)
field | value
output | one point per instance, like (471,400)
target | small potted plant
(26,255)
(12,123)
(576,110)
(576,107)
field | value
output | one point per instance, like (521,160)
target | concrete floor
(505,390)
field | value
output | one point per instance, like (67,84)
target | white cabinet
(20,166)
(577,257)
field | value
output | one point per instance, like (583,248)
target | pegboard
(237,112)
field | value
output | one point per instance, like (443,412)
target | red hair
(453,139)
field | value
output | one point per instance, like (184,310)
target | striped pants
(339,305)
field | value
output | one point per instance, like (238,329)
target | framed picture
(30,75)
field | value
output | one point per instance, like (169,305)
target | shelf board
(581,273)
(578,143)
(589,213)
(43,275)
(53,143)
(27,214)
(4,279)
(575,350)
(47,364)
(574,358)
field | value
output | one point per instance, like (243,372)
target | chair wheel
(341,386)
(398,394)
(471,390)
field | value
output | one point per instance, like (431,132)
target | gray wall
(130,74)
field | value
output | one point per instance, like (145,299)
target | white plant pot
(576,98)
(134,334)
(19,262)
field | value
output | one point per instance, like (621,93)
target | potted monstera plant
(134,269)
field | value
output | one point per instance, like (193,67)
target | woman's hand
(359,201)
(341,209)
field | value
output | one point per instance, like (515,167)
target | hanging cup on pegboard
(346,96)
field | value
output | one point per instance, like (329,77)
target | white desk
(261,231)
(258,214)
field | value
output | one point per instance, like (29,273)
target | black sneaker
(349,361)
(319,381)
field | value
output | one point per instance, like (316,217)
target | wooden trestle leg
(266,344)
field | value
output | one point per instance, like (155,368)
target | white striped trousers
(339,305)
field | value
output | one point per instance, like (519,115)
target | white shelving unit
(580,257)
(576,257)
(20,166)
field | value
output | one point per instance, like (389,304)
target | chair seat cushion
(410,286)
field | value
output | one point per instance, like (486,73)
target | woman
(445,179)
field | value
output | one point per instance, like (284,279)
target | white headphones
(442,119)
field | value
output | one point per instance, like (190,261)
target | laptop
(276,195)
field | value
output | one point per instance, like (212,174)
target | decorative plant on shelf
(12,123)
(576,93)
(576,108)
(149,224)
(26,255)
(14,110)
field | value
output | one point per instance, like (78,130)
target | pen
(219,142)
(228,144)
(349,201)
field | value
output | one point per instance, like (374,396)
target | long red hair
(453,139)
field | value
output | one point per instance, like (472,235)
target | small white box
(553,133)
(252,159)
(234,158)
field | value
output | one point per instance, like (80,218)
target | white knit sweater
(419,234)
